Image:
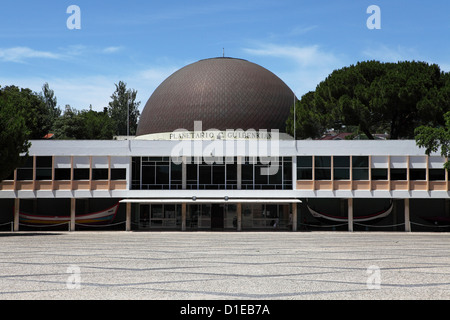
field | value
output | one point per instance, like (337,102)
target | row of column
(350,215)
(183,215)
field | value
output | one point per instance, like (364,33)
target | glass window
(44,168)
(99,174)
(360,170)
(304,168)
(398,174)
(436,174)
(118,174)
(80,174)
(322,169)
(25,171)
(379,174)
(341,165)
(62,174)
(417,174)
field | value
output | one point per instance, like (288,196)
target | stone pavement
(224,265)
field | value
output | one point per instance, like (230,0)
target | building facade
(211,155)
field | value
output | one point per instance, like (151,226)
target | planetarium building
(211,153)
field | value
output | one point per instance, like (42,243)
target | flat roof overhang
(194,200)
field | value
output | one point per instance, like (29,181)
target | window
(247,173)
(436,174)
(176,181)
(304,168)
(360,168)
(118,174)
(341,167)
(44,168)
(417,174)
(25,171)
(99,174)
(62,174)
(80,174)
(398,174)
(155,172)
(322,167)
(379,174)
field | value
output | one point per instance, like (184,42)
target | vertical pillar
(72,214)
(294,216)
(239,216)
(16,213)
(183,217)
(350,214)
(128,218)
(239,172)
(407,221)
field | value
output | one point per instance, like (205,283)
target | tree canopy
(123,102)
(435,139)
(375,97)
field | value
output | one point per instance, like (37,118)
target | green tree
(13,135)
(375,97)
(48,96)
(435,139)
(123,108)
(84,125)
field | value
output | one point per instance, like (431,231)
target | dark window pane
(322,174)
(304,174)
(398,174)
(360,174)
(162,174)
(341,174)
(43,162)
(341,161)
(99,174)
(205,174)
(322,161)
(379,174)
(417,174)
(436,174)
(44,174)
(80,174)
(360,161)
(62,174)
(219,174)
(27,163)
(119,174)
(24,174)
(304,162)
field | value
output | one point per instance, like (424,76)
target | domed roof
(223,93)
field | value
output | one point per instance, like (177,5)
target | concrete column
(128,218)
(407,221)
(350,214)
(239,172)
(294,216)
(16,213)
(239,216)
(183,217)
(72,214)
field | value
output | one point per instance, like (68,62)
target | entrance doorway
(217,214)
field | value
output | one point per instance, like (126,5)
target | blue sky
(143,42)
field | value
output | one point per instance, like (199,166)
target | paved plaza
(224,265)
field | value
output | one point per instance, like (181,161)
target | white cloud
(307,65)
(384,53)
(20,54)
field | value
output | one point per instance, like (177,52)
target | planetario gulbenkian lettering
(211,153)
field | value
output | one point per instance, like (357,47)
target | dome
(223,93)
